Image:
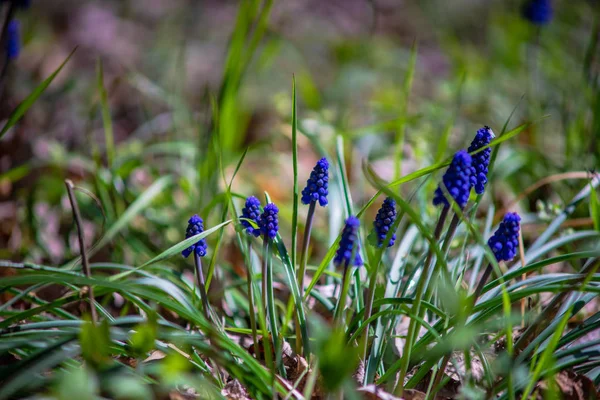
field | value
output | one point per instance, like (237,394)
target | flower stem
(269,302)
(202,286)
(338,319)
(251,309)
(80,235)
(369,307)
(302,268)
(414,325)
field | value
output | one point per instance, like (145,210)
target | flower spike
(458,180)
(269,222)
(195,226)
(317,185)
(349,245)
(481,160)
(505,241)
(384,220)
(252,212)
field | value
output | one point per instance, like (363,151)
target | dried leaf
(234,390)
(372,392)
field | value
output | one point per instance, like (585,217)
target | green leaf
(173,250)
(95,343)
(595,208)
(22,108)
(142,340)
(106,118)
(133,210)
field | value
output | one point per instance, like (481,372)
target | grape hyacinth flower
(349,245)
(481,160)
(269,222)
(252,212)
(195,226)
(384,220)
(458,180)
(13,40)
(538,12)
(317,185)
(505,241)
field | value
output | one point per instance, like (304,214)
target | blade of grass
(22,108)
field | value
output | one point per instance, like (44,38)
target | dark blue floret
(195,226)
(538,12)
(317,184)
(268,222)
(19,3)
(458,180)
(505,241)
(481,160)
(13,40)
(349,245)
(384,220)
(252,212)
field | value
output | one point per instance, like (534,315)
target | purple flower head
(384,220)
(458,180)
(505,241)
(268,221)
(538,12)
(13,39)
(252,212)
(316,185)
(349,245)
(195,226)
(481,160)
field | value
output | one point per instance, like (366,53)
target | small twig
(80,234)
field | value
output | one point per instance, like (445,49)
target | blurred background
(161,97)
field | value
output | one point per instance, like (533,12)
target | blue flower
(13,40)
(195,226)
(384,220)
(251,212)
(20,3)
(505,241)
(316,185)
(481,160)
(458,180)
(268,222)
(538,12)
(349,245)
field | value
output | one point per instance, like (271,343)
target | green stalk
(202,286)
(414,325)
(302,268)
(338,319)
(369,307)
(251,296)
(269,301)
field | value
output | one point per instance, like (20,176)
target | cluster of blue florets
(252,212)
(538,12)
(195,226)
(269,222)
(348,253)
(505,241)
(481,160)
(458,180)
(13,39)
(384,220)
(317,185)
